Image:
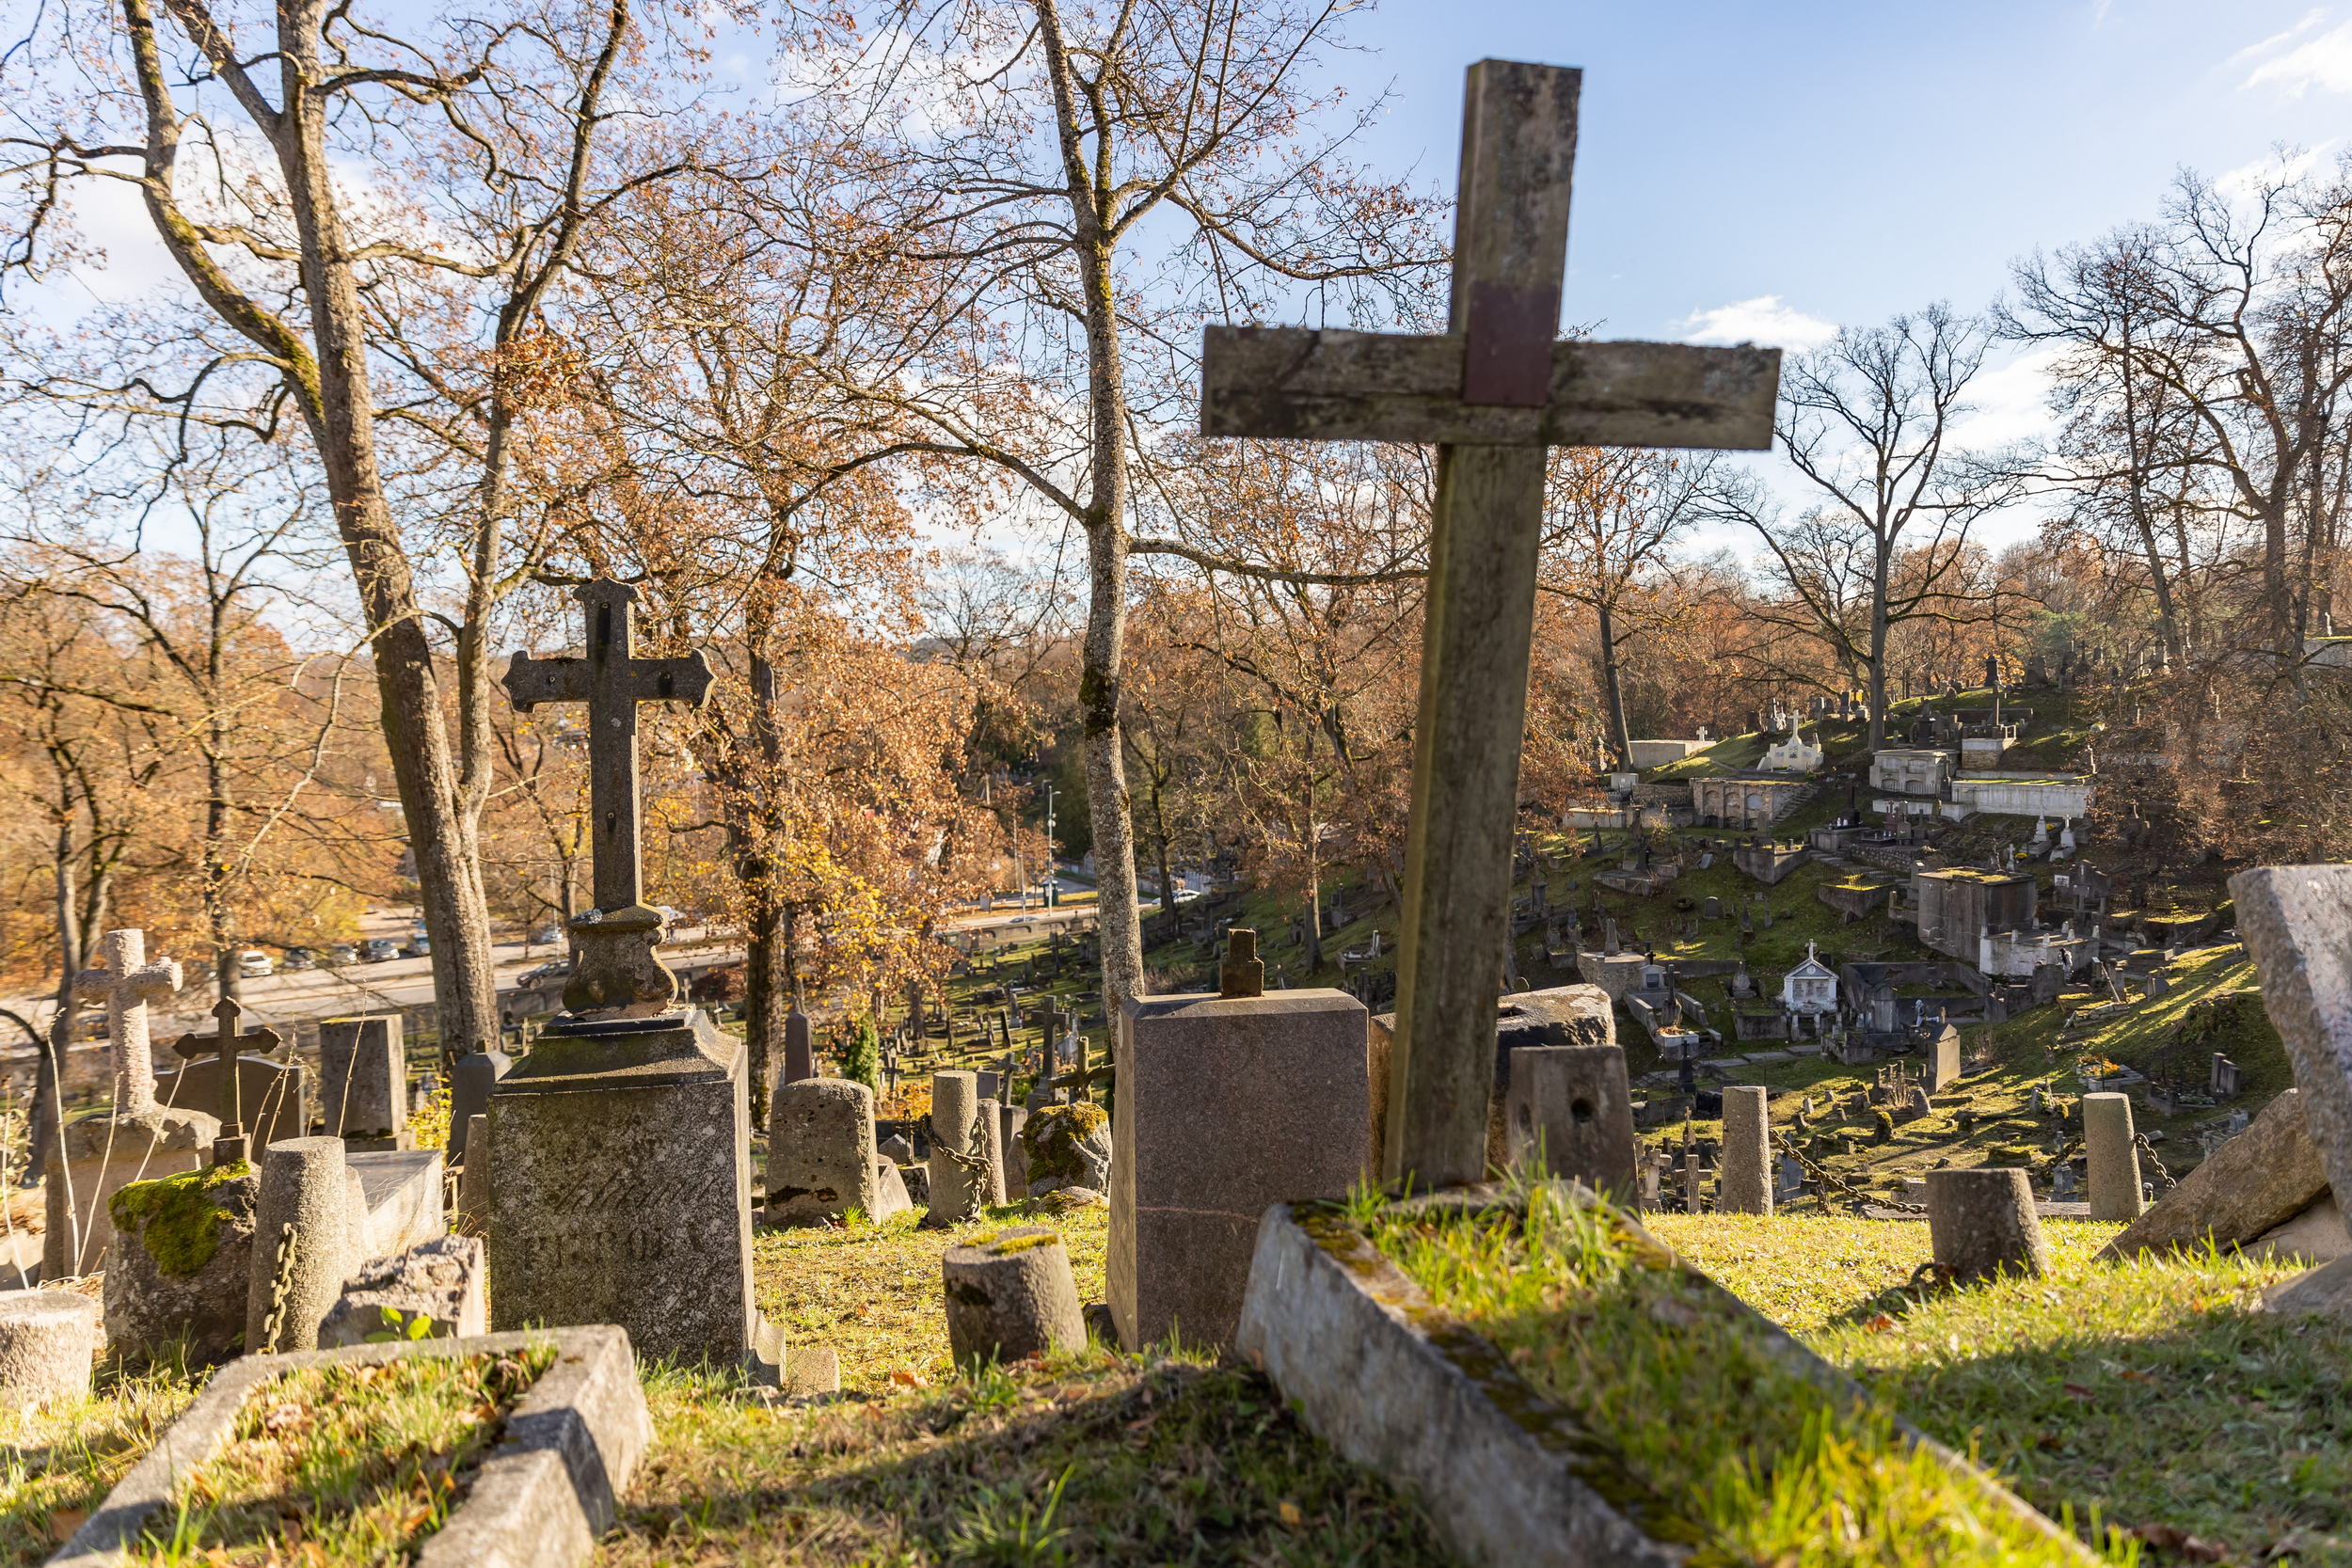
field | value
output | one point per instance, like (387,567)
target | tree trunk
(766,932)
(1875,673)
(1612,687)
(1103,646)
(1314,923)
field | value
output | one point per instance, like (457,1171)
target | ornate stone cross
(1493,393)
(613,963)
(229,1148)
(127,984)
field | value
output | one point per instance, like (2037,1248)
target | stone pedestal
(1743,1181)
(269,1096)
(1570,1113)
(957,1188)
(1564,1015)
(821,1161)
(1226,1105)
(99,1156)
(363,1077)
(2114,1162)
(620,1161)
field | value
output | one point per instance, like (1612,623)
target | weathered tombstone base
(1010,1295)
(48,1339)
(178,1268)
(620,1159)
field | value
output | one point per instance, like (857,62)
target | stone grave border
(1396,1384)
(542,1497)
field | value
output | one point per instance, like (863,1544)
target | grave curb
(543,1496)
(1394,1382)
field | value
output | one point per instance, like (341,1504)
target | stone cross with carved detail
(1492,392)
(613,963)
(228,1148)
(127,984)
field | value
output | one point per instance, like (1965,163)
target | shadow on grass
(1093,1460)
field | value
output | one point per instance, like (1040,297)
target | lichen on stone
(1052,1137)
(1011,1244)
(178,1218)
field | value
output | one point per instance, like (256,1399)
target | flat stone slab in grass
(1508,1478)
(540,1500)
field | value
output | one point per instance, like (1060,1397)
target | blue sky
(1770,169)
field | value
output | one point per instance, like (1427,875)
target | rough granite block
(1225,1106)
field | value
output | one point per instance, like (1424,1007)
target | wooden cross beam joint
(229,1148)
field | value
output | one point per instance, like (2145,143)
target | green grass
(1701,1432)
(58,1461)
(344,1464)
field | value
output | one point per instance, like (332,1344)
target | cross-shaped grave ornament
(1493,393)
(613,969)
(127,984)
(229,1148)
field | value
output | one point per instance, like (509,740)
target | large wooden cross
(614,964)
(229,1148)
(1493,393)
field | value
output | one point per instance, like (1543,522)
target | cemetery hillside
(990,784)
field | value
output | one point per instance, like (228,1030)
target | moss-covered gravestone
(178,1268)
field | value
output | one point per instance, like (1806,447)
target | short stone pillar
(1012,1120)
(821,1161)
(1981,1223)
(363,1080)
(991,1124)
(1225,1105)
(1743,1180)
(305,1242)
(48,1339)
(1010,1295)
(959,1169)
(2107,1146)
(1570,1114)
(620,1165)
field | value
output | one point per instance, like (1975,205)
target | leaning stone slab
(2297,921)
(1397,1384)
(2317,1235)
(2251,1185)
(540,1500)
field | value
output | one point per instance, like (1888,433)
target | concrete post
(1744,1182)
(2114,1162)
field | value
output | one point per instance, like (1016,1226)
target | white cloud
(2323,61)
(1765,319)
(2280,167)
(2009,402)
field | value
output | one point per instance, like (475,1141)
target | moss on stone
(1052,1137)
(1011,1244)
(178,1218)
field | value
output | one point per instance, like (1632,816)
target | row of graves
(1420,1327)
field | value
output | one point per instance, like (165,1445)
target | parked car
(555,969)
(254,964)
(298,957)
(339,954)
(377,950)
(418,948)
(545,935)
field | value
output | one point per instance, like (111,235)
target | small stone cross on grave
(1493,393)
(615,970)
(127,984)
(229,1148)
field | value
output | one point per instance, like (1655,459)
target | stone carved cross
(127,985)
(1493,393)
(228,1148)
(614,966)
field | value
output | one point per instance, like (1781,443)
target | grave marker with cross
(1493,393)
(228,1148)
(614,968)
(127,984)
